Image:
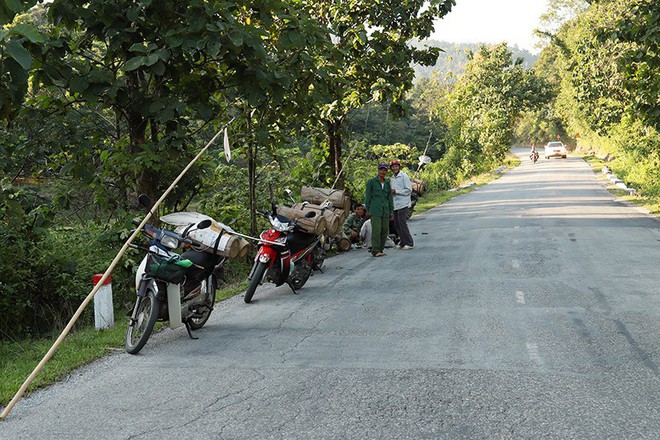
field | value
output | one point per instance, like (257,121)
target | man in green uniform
(380,205)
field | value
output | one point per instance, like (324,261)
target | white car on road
(555,149)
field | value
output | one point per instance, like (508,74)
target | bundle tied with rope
(218,238)
(340,208)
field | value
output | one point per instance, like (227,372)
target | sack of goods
(418,186)
(170,269)
(218,236)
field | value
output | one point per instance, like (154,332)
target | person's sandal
(380,254)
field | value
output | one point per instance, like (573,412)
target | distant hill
(452,61)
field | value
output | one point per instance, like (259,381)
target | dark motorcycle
(179,288)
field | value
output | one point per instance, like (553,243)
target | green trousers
(380,227)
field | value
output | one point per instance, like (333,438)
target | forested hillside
(453,59)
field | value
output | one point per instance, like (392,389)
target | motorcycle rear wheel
(209,289)
(139,330)
(256,279)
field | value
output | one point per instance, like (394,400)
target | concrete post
(104,314)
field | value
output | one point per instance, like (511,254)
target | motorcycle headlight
(279,226)
(169,242)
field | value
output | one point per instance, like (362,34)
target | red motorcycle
(285,254)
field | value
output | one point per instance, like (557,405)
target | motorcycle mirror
(310,214)
(288,193)
(145,201)
(204,224)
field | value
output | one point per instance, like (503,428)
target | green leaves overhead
(16,50)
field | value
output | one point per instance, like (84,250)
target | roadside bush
(47,272)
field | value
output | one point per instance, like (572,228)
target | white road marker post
(104,312)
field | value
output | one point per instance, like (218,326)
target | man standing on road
(401,189)
(380,205)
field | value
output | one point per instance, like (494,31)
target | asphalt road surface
(529,308)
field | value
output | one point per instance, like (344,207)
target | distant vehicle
(555,149)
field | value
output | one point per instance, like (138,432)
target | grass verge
(19,358)
(652,204)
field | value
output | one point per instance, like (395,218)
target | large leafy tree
(488,99)
(158,72)
(604,61)
(15,58)
(371,58)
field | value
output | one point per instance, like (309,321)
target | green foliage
(15,59)
(602,63)
(482,109)
(371,58)
(48,271)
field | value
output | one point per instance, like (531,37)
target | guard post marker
(104,313)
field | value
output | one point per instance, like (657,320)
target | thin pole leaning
(343,166)
(98,285)
(428,142)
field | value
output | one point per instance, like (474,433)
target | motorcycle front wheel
(203,312)
(256,279)
(143,318)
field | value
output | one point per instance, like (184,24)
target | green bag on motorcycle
(168,269)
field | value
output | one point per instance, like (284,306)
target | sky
(492,21)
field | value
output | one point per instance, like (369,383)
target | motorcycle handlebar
(153,233)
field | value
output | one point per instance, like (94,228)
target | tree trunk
(145,179)
(252,177)
(334,146)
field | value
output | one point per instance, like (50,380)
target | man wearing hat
(380,205)
(402,189)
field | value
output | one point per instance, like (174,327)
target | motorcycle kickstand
(295,292)
(187,323)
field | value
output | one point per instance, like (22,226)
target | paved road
(529,309)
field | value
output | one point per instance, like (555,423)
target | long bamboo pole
(98,285)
